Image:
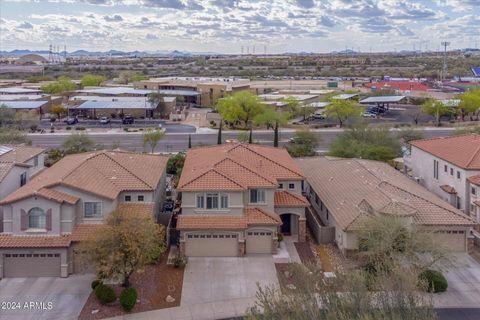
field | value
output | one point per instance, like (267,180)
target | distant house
(344,192)
(450,168)
(236,198)
(46,218)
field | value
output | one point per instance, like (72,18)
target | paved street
(174,142)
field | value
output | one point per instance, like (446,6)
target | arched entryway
(292,225)
(286,227)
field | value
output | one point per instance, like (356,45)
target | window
(321,205)
(435,169)
(474,190)
(23,179)
(280,186)
(212,201)
(317,199)
(93,209)
(451,171)
(224,200)
(291,186)
(459,203)
(327,214)
(257,196)
(140,198)
(200,201)
(445,168)
(472,208)
(458,174)
(37,218)
(128,198)
(35,161)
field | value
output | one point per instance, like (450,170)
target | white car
(104,120)
(369,115)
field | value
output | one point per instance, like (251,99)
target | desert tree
(151,138)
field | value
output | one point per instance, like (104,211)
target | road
(174,142)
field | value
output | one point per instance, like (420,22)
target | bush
(125,129)
(105,294)
(435,280)
(179,262)
(280,237)
(68,128)
(95,283)
(128,298)
(80,128)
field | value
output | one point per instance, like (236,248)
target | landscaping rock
(291,286)
(170,299)
(95,311)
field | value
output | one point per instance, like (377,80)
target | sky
(224,26)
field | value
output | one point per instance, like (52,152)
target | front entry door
(286,224)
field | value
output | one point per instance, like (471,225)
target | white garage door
(211,245)
(31,265)
(259,242)
(453,240)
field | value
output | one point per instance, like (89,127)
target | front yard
(153,286)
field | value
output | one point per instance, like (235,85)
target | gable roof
(19,153)
(462,151)
(285,199)
(235,166)
(103,173)
(349,188)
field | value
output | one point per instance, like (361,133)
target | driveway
(463,283)
(220,279)
(66,295)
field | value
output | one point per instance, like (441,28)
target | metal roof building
(140,92)
(23,104)
(345,96)
(116,105)
(19,90)
(383,99)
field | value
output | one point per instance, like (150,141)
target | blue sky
(227,25)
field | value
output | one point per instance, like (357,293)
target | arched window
(37,218)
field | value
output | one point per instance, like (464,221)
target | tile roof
(251,216)
(351,187)
(83,231)
(27,241)
(20,153)
(136,208)
(287,199)
(234,166)
(5,168)
(474,180)
(462,151)
(104,173)
(448,189)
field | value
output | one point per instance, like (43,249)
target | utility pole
(445,44)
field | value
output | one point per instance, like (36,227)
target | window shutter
(23,220)
(48,220)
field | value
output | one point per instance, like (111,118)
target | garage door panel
(211,245)
(452,240)
(31,265)
(259,242)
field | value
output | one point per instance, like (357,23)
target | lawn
(153,286)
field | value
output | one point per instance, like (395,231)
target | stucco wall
(235,203)
(297,186)
(11,181)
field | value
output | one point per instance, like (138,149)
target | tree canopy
(303,144)
(62,85)
(152,137)
(469,103)
(241,106)
(342,110)
(270,116)
(366,143)
(436,109)
(92,80)
(78,143)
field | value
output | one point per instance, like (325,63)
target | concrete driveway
(66,295)
(463,276)
(220,279)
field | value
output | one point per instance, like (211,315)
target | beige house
(236,198)
(45,219)
(345,191)
(450,168)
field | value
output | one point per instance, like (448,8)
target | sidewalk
(203,311)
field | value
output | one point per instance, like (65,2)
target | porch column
(302,230)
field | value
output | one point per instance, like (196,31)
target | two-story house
(236,198)
(46,218)
(450,168)
(344,192)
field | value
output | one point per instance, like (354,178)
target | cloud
(25,25)
(114,18)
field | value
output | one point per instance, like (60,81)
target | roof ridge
(268,214)
(297,196)
(261,155)
(422,198)
(105,152)
(248,169)
(207,171)
(445,137)
(473,156)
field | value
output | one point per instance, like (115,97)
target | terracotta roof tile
(448,189)
(260,216)
(104,173)
(83,231)
(462,151)
(20,153)
(474,180)
(239,166)
(137,208)
(27,241)
(348,187)
(287,199)
(5,168)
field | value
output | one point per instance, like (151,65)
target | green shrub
(80,128)
(435,281)
(280,237)
(105,294)
(68,128)
(128,298)
(179,261)
(125,129)
(95,283)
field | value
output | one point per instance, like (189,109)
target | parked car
(128,119)
(319,116)
(369,115)
(104,120)
(71,121)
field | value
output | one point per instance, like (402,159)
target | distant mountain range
(115,53)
